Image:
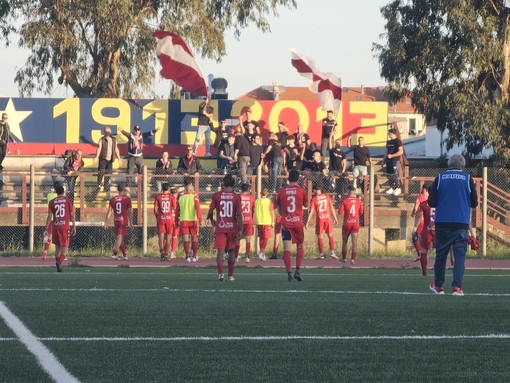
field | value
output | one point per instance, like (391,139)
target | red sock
(275,250)
(47,246)
(423,263)
(123,248)
(417,246)
(331,243)
(194,246)
(354,255)
(237,250)
(115,251)
(175,241)
(286,260)
(231,266)
(344,253)
(321,245)
(263,244)
(61,258)
(248,248)
(299,257)
(186,248)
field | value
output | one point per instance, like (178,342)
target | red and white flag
(326,85)
(178,63)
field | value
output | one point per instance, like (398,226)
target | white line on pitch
(239,291)
(44,357)
(272,338)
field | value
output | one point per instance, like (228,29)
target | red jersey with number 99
(227,205)
(290,201)
(352,207)
(247,204)
(61,207)
(120,205)
(166,204)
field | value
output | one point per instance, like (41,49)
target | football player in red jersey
(428,234)
(120,206)
(323,206)
(277,237)
(164,205)
(351,208)
(62,211)
(228,225)
(290,201)
(247,210)
(418,219)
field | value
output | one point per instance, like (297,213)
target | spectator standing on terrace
(189,163)
(205,116)
(226,154)
(107,152)
(282,134)
(391,162)
(274,152)
(227,226)
(164,206)
(256,155)
(248,120)
(290,201)
(242,155)
(362,157)
(222,132)
(189,216)
(135,148)
(337,166)
(453,195)
(5,137)
(302,140)
(328,130)
(72,168)
(120,206)
(351,208)
(60,216)
(164,168)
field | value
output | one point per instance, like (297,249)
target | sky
(338,34)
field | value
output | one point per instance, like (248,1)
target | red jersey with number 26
(290,201)
(227,205)
(61,207)
(120,205)
(247,205)
(352,207)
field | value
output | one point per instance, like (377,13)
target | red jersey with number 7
(227,205)
(352,207)
(290,201)
(247,206)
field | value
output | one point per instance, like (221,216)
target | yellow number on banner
(71,108)
(297,106)
(158,109)
(122,120)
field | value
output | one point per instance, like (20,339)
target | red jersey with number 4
(290,201)
(61,207)
(322,205)
(120,205)
(247,205)
(352,207)
(227,205)
(166,204)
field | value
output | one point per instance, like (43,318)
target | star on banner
(15,119)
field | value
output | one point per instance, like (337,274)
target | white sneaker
(353,261)
(397,191)
(208,154)
(262,256)
(231,279)
(191,253)
(320,256)
(221,277)
(390,191)
(247,259)
(188,259)
(333,255)
(194,259)
(172,256)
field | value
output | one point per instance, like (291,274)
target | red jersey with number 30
(61,207)
(227,205)
(290,201)
(120,205)
(247,205)
(166,204)
(321,203)
(352,207)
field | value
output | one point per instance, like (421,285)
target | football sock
(299,257)
(220,267)
(423,263)
(175,241)
(186,248)
(231,266)
(321,245)
(194,246)
(286,260)
(263,244)
(248,248)
(237,250)
(123,248)
(61,258)
(354,255)
(344,253)
(331,243)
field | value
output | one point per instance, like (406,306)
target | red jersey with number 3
(290,201)
(247,205)
(321,203)
(227,205)
(166,204)
(61,207)
(352,207)
(120,205)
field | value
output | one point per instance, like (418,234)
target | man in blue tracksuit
(453,195)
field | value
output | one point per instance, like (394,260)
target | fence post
(484,212)
(144,209)
(371,212)
(31,214)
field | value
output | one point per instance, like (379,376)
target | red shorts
(121,229)
(264,231)
(419,229)
(297,234)
(189,227)
(349,229)
(323,226)
(165,227)
(247,230)
(428,238)
(225,241)
(60,236)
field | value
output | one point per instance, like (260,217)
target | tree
(453,59)
(105,48)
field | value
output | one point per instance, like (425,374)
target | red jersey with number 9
(227,205)
(247,205)
(352,207)
(120,205)
(61,207)
(290,201)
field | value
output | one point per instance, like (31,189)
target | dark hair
(229,181)
(316,186)
(59,189)
(351,188)
(188,180)
(56,183)
(121,187)
(293,176)
(165,186)
(173,190)
(245,187)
